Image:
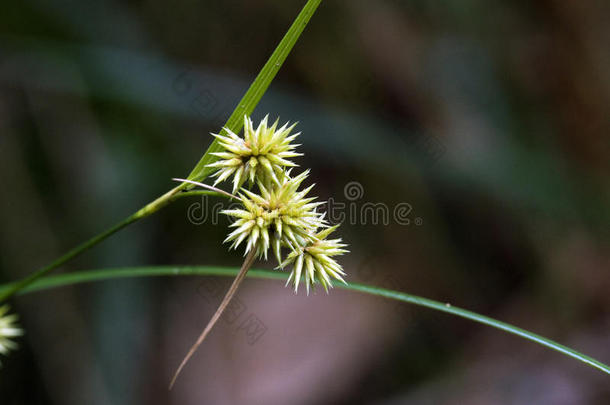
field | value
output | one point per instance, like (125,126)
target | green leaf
(257,88)
(128,272)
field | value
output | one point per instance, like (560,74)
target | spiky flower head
(280,216)
(8,330)
(261,155)
(315,259)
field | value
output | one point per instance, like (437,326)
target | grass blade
(257,88)
(130,272)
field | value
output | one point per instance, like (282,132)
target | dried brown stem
(223,305)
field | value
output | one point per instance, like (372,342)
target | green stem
(117,273)
(193,193)
(23,283)
(148,209)
(142,213)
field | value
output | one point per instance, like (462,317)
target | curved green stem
(193,193)
(147,210)
(142,213)
(129,272)
(23,283)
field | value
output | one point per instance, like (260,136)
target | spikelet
(8,330)
(280,216)
(261,155)
(315,261)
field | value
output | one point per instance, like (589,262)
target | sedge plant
(277,216)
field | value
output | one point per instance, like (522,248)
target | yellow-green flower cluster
(8,331)
(278,216)
(315,260)
(261,155)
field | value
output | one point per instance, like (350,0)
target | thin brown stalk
(223,305)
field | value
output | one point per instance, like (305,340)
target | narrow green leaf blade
(257,88)
(127,272)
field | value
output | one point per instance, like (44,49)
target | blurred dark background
(486,122)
